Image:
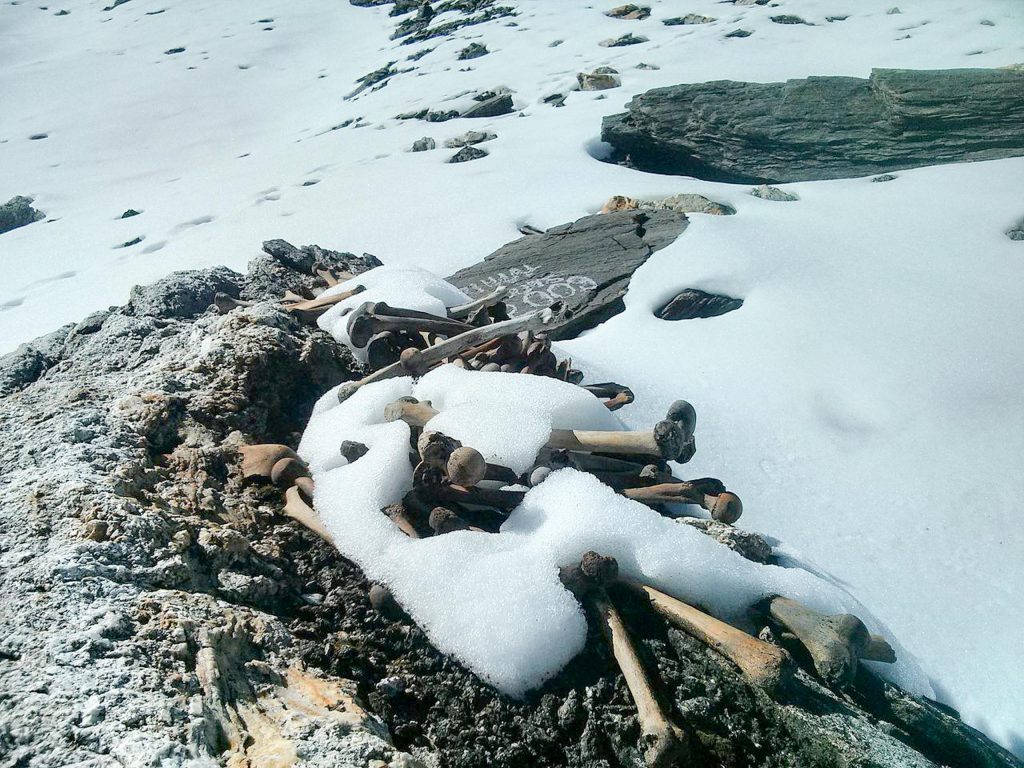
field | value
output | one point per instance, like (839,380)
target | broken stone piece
(466,154)
(775,194)
(424,145)
(627,39)
(18,212)
(598,80)
(692,303)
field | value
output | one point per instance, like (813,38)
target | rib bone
(310,309)
(465,310)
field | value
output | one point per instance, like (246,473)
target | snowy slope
(864,401)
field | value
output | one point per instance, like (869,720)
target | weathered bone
(664,440)
(685,415)
(330,275)
(419,362)
(225,303)
(363,323)
(466,467)
(725,507)
(664,744)
(500,500)
(297,509)
(465,310)
(444,520)
(835,643)
(286,471)
(310,309)
(259,460)
(435,448)
(762,664)
(400,515)
(617,394)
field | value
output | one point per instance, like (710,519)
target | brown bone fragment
(725,507)
(297,509)
(309,310)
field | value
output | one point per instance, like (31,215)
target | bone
(762,664)
(444,520)
(330,275)
(466,467)
(665,440)
(401,516)
(685,415)
(297,509)
(725,507)
(417,363)
(259,460)
(465,310)
(364,322)
(835,643)
(617,394)
(500,500)
(286,471)
(309,310)
(225,303)
(435,448)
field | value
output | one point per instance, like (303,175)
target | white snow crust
(864,402)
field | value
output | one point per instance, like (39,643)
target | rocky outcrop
(822,127)
(586,265)
(17,212)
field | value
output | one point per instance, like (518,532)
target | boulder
(17,212)
(823,127)
(586,264)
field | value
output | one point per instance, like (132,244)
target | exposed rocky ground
(822,127)
(17,212)
(160,611)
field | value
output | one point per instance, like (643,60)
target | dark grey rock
(473,51)
(787,18)
(1016,232)
(690,18)
(29,361)
(182,294)
(836,18)
(425,144)
(823,127)
(586,264)
(466,154)
(129,213)
(627,39)
(18,212)
(499,104)
(740,33)
(884,177)
(172,51)
(692,303)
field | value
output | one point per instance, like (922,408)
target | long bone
(725,507)
(664,743)
(310,309)
(835,643)
(465,310)
(665,439)
(418,362)
(762,664)
(364,322)
(296,508)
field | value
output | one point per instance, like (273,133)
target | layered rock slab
(822,127)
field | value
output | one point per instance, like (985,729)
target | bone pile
(411,478)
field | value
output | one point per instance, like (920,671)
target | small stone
(836,18)
(500,104)
(555,100)
(598,81)
(1016,232)
(987,23)
(466,154)
(473,51)
(129,213)
(172,51)
(629,11)
(691,304)
(627,39)
(642,65)
(423,145)
(787,18)
(469,138)
(740,33)
(775,194)
(884,177)
(690,18)
(96,530)
(893,11)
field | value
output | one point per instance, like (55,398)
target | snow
(494,601)
(877,354)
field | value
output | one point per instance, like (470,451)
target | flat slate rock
(586,264)
(823,127)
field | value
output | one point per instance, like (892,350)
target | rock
(129,213)
(627,39)
(472,51)
(18,212)
(747,543)
(774,194)
(761,132)
(555,99)
(586,264)
(686,203)
(690,18)
(424,145)
(790,19)
(691,304)
(172,51)
(740,33)
(884,177)
(629,11)
(1016,232)
(466,154)
(598,80)
(493,106)
(305,258)
(836,18)
(469,138)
